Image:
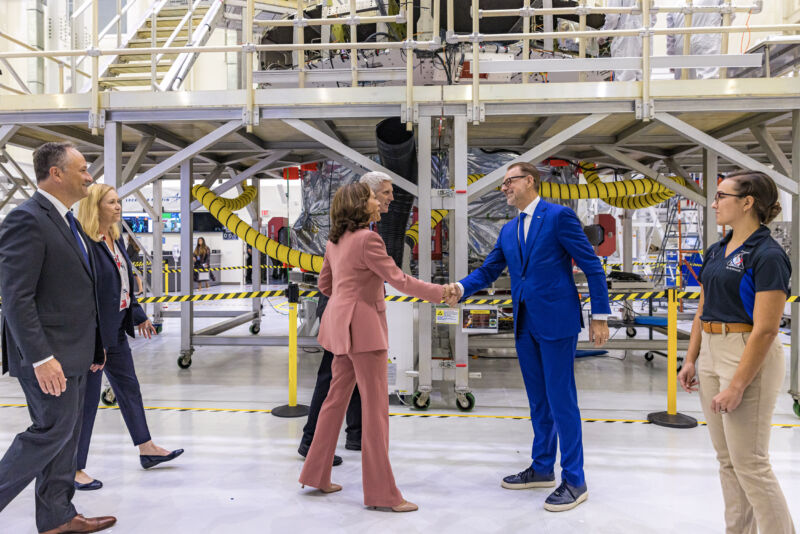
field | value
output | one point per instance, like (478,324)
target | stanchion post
(292,409)
(671,418)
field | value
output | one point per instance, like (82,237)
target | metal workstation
(317,82)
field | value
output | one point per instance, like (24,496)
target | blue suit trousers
(548,371)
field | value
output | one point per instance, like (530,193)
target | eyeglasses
(507,181)
(720,195)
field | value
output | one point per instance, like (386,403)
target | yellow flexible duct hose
(629,194)
(216,206)
(235,204)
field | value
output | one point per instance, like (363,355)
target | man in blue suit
(538,247)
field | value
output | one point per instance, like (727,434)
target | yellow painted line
(400,414)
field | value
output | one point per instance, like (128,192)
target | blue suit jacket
(108,286)
(541,275)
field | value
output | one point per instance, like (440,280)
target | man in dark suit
(50,336)
(538,248)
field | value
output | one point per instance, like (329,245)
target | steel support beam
(349,153)
(341,160)
(7,131)
(710,172)
(676,168)
(630,132)
(137,158)
(638,166)
(249,173)
(97,167)
(212,177)
(772,149)
(794,360)
(112,154)
(461,236)
(539,129)
(167,138)
(425,322)
(746,162)
(187,259)
(493,179)
(18,168)
(180,157)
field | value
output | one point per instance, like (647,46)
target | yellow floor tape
(396,414)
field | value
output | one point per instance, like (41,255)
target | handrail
(108,27)
(52,57)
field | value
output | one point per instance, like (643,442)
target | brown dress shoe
(81,525)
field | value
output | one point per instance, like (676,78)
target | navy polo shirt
(730,283)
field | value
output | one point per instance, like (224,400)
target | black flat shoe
(149,461)
(352,445)
(303,451)
(89,486)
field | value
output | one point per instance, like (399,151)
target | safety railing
(581,64)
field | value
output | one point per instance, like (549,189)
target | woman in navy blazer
(118,310)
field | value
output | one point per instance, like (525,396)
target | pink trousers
(368,370)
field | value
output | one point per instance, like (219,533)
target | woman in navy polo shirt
(740,360)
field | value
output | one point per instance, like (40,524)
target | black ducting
(397,152)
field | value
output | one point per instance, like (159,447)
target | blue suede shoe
(529,479)
(89,486)
(566,497)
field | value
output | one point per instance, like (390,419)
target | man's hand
(452,294)
(147,330)
(598,332)
(51,377)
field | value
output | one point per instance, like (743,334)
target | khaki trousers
(754,501)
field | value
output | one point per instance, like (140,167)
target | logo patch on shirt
(736,263)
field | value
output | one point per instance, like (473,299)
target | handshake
(452,294)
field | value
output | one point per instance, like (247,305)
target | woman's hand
(146,329)
(688,377)
(726,400)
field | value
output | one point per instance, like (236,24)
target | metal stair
(681,238)
(136,70)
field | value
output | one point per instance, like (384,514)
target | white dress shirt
(62,210)
(528,211)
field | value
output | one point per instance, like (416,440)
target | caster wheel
(415,401)
(255,329)
(467,404)
(630,331)
(649,356)
(108,397)
(784,322)
(184,362)
(797,408)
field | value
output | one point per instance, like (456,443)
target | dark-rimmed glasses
(720,195)
(507,181)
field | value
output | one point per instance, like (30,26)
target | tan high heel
(405,506)
(333,488)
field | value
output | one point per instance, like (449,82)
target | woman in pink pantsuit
(354,329)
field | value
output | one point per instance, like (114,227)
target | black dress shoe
(149,461)
(352,445)
(302,450)
(529,479)
(89,486)
(566,497)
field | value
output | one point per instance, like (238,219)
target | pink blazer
(352,276)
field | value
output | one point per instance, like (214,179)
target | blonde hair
(89,212)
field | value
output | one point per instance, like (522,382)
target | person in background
(354,329)
(626,46)
(701,44)
(735,355)
(51,337)
(202,259)
(119,312)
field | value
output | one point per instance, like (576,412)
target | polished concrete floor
(239,472)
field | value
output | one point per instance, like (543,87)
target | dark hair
(763,190)
(528,168)
(49,155)
(201,250)
(349,210)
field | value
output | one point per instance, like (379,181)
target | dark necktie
(522,232)
(74,228)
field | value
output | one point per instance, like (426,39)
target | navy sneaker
(529,479)
(566,497)
(303,451)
